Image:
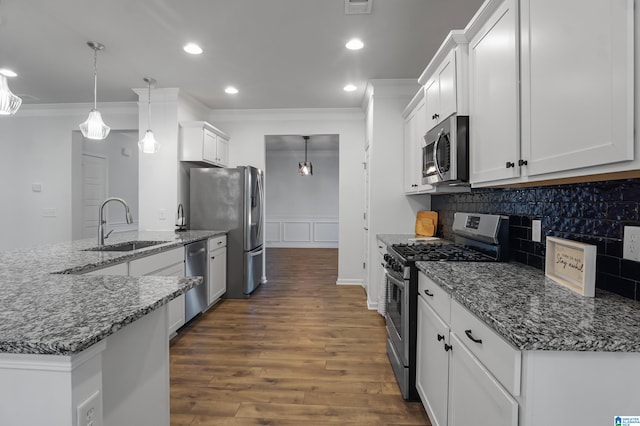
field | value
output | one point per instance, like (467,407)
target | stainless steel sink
(127,246)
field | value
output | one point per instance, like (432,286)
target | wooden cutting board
(426,223)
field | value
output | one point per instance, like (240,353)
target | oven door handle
(395,281)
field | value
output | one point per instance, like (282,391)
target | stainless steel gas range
(477,238)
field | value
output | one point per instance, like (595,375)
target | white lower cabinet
(475,396)
(168,263)
(217,284)
(454,382)
(432,380)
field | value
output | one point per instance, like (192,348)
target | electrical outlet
(89,413)
(36,187)
(48,212)
(631,244)
(162,214)
(536,230)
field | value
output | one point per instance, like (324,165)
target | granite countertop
(533,312)
(47,308)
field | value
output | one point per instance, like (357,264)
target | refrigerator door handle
(260,209)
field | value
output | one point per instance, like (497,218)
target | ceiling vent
(359,7)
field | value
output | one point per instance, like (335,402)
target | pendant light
(9,103)
(305,169)
(148,144)
(94,127)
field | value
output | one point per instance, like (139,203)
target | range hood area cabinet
(443,92)
(551,97)
(203,144)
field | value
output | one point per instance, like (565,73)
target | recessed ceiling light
(7,72)
(354,44)
(192,48)
(231,90)
(350,88)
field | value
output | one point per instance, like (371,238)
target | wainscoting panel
(302,232)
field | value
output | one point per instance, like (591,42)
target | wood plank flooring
(300,351)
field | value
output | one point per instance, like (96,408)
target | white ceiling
(278,53)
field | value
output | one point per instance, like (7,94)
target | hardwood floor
(300,351)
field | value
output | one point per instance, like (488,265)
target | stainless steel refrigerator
(232,199)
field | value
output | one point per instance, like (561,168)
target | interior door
(94,191)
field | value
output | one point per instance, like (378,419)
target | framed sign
(572,264)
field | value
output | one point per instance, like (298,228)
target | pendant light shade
(9,103)
(148,144)
(305,169)
(94,127)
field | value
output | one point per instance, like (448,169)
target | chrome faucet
(103,221)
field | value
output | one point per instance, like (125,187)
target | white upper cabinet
(203,143)
(494,134)
(577,83)
(551,89)
(441,92)
(414,129)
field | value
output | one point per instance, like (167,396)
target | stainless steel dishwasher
(195,261)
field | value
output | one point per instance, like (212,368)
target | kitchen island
(77,347)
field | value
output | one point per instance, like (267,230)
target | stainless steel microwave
(445,152)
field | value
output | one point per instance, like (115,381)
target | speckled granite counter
(535,313)
(46,309)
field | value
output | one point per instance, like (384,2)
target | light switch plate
(631,244)
(536,230)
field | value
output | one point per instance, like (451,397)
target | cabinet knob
(213,257)
(440,337)
(470,336)
(428,293)
(447,347)
(522,163)
(509,165)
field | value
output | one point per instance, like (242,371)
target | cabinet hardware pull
(428,293)
(437,115)
(447,348)
(470,336)
(509,165)
(440,337)
(213,257)
(522,163)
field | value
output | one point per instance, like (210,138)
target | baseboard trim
(372,306)
(349,281)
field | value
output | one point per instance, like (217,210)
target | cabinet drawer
(435,297)
(498,356)
(217,242)
(150,264)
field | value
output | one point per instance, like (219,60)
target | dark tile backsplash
(593,213)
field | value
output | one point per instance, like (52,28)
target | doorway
(301,211)
(102,169)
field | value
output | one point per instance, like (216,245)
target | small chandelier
(148,144)
(9,103)
(305,169)
(94,127)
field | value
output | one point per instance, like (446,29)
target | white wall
(302,211)
(36,147)
(247,130)
(162,179)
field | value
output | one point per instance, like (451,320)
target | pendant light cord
(95,78)
(149,107)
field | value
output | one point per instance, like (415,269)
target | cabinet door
(222,152)
(217,274)
(209,147)
(432,363)
(494,141)
(577,83)
(432,102)
(447,79)
(475,397)
(414,130)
